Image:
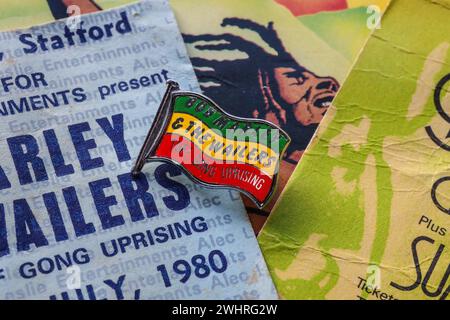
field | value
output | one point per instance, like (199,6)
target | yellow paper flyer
(365,215)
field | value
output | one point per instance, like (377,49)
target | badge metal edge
(159,127)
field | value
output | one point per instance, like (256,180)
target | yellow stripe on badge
(220,148)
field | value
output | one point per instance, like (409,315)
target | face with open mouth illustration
(309,95)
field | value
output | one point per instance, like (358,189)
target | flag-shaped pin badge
(214,148)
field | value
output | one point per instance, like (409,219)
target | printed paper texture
(365,215)
(75,108)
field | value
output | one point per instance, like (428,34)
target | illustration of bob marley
(265,86)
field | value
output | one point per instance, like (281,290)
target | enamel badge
(214,148)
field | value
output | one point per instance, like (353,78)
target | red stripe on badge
(208,170)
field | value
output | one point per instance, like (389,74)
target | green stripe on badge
(216,119)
